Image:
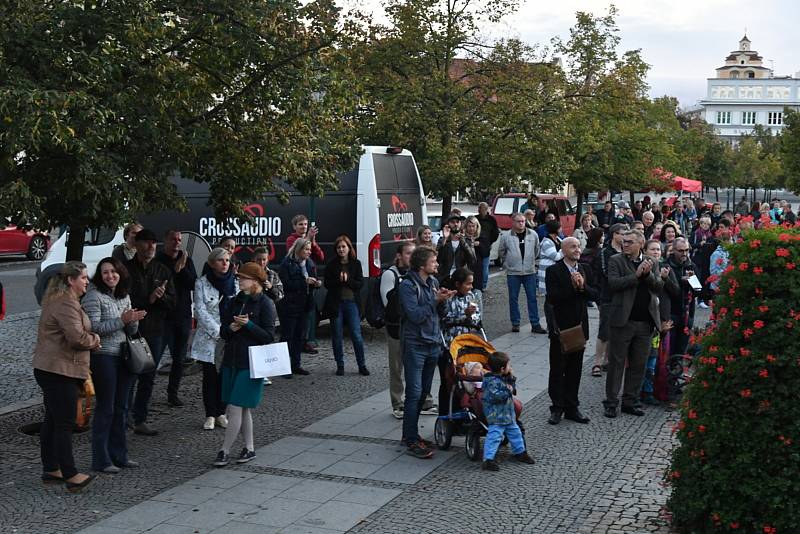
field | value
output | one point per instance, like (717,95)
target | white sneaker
(433,410)
(222,421)
(209,424)
(703,305)
(267,382)
(398,414)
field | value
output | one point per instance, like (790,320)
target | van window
(99,236)
(504,206)
(406,173)
(385,174)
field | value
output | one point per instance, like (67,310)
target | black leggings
(60,409)
(212,390)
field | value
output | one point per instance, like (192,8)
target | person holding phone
(151,290)
(246,322)
(682,300)
(308,231)
(298,272)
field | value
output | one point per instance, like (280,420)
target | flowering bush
(737,464)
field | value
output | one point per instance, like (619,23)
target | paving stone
(345,468)
(337,516)
(189,493)
(279,512)
(312,462)
(367,495)
(239,527)
(211,514)
(222,478)
(145,515)
(319,491)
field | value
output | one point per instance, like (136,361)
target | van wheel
(37,248)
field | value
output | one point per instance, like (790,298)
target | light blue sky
(682,40)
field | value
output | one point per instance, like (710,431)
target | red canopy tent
(677,183)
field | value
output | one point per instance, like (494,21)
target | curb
(21,405)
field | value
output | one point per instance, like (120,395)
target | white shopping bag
(270,360)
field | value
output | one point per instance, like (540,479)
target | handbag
(572,339)
(137,355)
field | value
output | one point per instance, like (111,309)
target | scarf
(225,284)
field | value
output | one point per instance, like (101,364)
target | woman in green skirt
(247,321)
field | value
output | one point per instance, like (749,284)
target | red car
(23,240)
(507,204)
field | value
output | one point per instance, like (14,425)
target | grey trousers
(632,343)
(396,386)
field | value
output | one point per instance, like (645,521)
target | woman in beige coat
(60,366)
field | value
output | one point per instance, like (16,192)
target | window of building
(742,62)
(775,117)
(734,74)
(748,117)
(723,117)
(751,74)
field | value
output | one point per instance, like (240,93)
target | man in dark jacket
(151,290)
(178,325)
(453,250)
(634,282)
(567,294)
(489,234)
(682,305)
(605,217)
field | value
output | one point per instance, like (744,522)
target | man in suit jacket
(634,285)
(567,294)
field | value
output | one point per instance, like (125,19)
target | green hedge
(737,464)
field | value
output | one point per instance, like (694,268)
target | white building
(745,93)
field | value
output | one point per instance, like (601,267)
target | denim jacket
(498,401)
(420,323)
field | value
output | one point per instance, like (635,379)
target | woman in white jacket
(211,293)
(550,251)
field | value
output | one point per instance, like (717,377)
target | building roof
(754,67)
(752,54)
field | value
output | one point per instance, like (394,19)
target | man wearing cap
(178,326)
(453,251)
(151,290)
(624,215)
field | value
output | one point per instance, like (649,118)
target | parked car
(24,240)
(509,203)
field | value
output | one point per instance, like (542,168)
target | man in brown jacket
(634,285)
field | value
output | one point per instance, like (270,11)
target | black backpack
(394,312)
(375,311)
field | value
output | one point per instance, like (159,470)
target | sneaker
(363,371)
(524,458)
(419,450)
(143,430)
(222,421)
(340,371)
(222,459)
(209,424)
(398,413)
(246,456)
(490,465)
(515,328)
(175,402)
(128,464)
(300,371)
(703,305)
(267,382)
(431,410)
(110,470)
(309,349)
(537,329)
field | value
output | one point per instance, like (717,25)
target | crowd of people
(646,267)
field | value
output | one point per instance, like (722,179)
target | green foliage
(790,149)
(101,102)
(737,465)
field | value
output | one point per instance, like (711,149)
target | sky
(684,41)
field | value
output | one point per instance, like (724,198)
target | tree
(717,166)
(475,113)
(102,102)
(790,149)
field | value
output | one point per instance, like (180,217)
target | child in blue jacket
(498,407)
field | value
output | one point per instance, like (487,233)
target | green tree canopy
(101,102)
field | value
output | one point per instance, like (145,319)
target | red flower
(744,352)
(701,428)
(758,323)
(712,360)
(745,393)
(743,266)
(676,474)
(734,525)
(705,384)
(771,358)
(770,530)
(790,266)
(763,309)
(747,333)
(784,237)
(763,373)
(782,252)
(758,291)
(738,312)
(720,261)
(692,414)
(729,358)
(755,243)
(713,348)
(720,369)
(735,324)
(758,270)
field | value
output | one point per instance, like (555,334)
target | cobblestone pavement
(588,478)
(17,339)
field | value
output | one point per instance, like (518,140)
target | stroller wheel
(443,433)
(473,444)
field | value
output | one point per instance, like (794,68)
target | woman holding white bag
(212,292)
(247,322)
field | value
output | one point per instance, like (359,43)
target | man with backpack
(390,298)
(421,336)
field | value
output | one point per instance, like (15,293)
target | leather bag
(572,339)
(137,355)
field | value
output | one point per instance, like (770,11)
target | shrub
(736,467)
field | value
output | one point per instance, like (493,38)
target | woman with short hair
(108,307)
(60,367)
(299,276)
(212,292)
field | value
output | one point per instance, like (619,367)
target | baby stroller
(464,411)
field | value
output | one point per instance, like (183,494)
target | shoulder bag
(571,339)
(137,355)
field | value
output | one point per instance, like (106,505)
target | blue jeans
(650,372)
(293,327)
(485,281)
(419,365)
(348,313)
(529,282)
(145,388)
(494,437)
(112,383)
